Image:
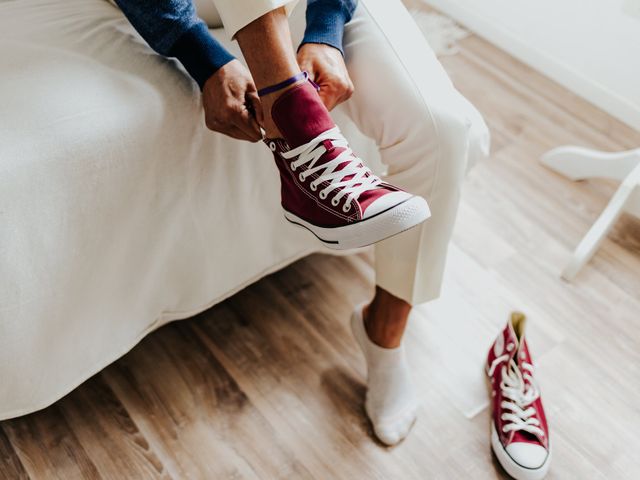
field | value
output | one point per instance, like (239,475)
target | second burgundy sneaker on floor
(519,431)
(326,188)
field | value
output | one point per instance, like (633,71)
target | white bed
(119,211)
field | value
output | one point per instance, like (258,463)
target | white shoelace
(308,154)
(519,414)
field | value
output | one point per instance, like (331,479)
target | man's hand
(231,103)
(326,68)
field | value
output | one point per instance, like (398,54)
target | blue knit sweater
(173,29)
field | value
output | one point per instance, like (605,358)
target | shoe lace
(518,395)
(351,180)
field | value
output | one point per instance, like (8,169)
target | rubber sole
(395,220)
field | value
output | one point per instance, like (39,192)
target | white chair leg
(621,200)
(633,205)
(579,163)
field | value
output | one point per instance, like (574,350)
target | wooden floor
(269,384)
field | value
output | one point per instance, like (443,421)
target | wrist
(200,54)
(316,45)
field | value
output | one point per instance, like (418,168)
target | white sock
(391,402)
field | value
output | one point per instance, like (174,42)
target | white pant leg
(236,14)
(428,135)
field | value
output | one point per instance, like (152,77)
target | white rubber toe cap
(523,461)
(385,202)
(527,455)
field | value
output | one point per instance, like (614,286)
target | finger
(244,119)
(303,63)
(307,66)
(254,100)
(350,89)
(230,130)
(328,97)
(346,94)
(248,125)
(251,87)
(337,91)
(234,132)
(310,69)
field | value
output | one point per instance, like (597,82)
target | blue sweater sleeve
(173,29)
(326,20)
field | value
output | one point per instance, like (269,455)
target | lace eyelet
(313,187)
(322,195)
(272,146)
(335,202)
(302,177)
(346,208)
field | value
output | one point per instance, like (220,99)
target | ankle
(267,100)
(383,330)
(270,128)
(385,319)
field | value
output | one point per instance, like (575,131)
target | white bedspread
(118,211)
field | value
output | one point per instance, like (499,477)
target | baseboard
(585,87)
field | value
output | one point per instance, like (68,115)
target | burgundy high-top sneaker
(519,430)
(326,188)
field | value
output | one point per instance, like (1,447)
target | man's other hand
(231,103)
(326,68)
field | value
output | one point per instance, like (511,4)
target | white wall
(591,47)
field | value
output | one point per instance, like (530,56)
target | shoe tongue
(511,344)
(519,352)
(300,115)
(514,334)
(526,437)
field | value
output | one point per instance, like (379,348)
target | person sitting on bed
(326,188)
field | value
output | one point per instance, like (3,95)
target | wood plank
(208,427)
(550,92)
(99,419)
(10,464)
(48,448)
(287,369)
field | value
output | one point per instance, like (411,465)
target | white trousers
(427,133)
